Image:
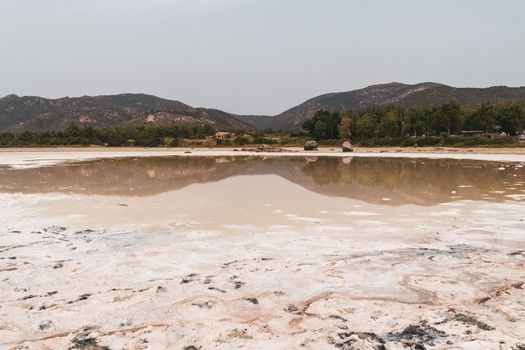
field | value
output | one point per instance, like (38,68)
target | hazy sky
(255,56)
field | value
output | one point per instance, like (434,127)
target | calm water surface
(252,190)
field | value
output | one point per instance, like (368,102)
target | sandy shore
(31,157)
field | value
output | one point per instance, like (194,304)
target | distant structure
(223,135)
(521,137)
(480,133)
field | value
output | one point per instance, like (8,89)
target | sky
(255,56)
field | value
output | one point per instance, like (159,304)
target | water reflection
(390,181)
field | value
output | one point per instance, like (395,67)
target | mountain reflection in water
(389,181)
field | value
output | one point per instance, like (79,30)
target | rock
(81,297)
(470,320)
(419,333)
(347,147)
(359,340)
(310,145)
(84,296)
(87,340)
(45,325)
(238,284)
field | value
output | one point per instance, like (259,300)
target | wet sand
(31,157)
(362,253)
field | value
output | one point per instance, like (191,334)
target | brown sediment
(136,328)
(501,291)
(48,337)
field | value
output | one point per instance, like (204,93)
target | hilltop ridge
(107,111)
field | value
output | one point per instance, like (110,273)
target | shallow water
(253,252)
(218,191)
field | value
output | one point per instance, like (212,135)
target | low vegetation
(451,124)
(116,137)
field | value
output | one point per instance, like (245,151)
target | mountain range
(418,95)
(37,113)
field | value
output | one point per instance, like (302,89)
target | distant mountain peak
(425,94)
(9,97)
(384,85)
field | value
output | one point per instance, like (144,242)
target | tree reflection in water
(402,181)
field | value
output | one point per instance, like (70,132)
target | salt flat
(282,253)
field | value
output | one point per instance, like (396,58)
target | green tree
(511,117)
(450,118)
(389,125)
(320,130)
(323,125)
(482,118)
(345,126)
(366,126)
(415,122)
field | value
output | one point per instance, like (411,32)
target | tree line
(396,123)
(151,136)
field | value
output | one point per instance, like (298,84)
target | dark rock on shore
(311,145)
(84,341)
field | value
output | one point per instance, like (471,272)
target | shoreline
(322,149)
(38,157)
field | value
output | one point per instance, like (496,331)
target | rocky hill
(418,95)
(37,113)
